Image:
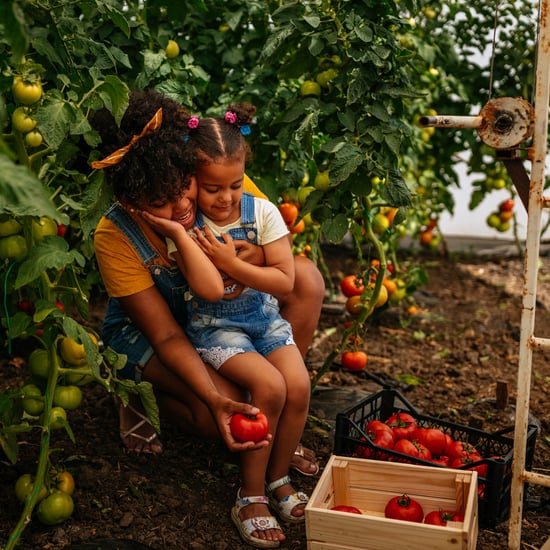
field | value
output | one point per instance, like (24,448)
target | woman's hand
(164,226)
(223,416)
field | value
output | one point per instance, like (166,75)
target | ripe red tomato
(507,205)
(289,212)
(381,435)
(472,462)
(404,508)
(441,517)
(432,438)
(345,508)
(460,449)
(246,427)
(406,447)
(354,360)
(352,285)
(403,424)
(442,460)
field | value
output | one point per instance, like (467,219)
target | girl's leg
(289,363)
(267,388)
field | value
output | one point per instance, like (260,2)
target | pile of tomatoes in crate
(400,433)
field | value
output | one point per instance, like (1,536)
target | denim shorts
(127,340)
(245,324)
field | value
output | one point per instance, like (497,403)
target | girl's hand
(166,227)
(250,253)
(220,253)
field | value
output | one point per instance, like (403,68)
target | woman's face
(181,210)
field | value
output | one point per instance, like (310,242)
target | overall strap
(247,209)
(128,226)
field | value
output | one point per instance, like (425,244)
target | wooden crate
(369,485)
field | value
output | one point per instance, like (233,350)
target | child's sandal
(261,523)
(287,504)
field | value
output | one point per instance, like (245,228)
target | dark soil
(446,360)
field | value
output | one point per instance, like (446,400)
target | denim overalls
(249,322)
(118,330)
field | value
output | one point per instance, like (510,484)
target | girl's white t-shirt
(268,222)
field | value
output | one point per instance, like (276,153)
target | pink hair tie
(230,117)
(193,122)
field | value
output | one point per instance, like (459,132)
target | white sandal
(260,523)
(286,505)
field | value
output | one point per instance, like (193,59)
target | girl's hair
(216,138)
(158,166)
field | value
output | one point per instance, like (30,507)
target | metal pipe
(530,273)
(448,121)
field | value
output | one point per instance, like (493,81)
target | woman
(148,166)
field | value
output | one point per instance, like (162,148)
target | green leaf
(55,118)
(335,229)
(22,194)
(395,190)
(14,28)
(50,253)
(346,161)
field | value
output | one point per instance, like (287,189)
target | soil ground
(446,360)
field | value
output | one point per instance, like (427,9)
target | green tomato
(33,138)
(57,417)
(13,246)
(43,227)
(10,227)
(24,487)
(493,220)
(33,402)
(77,379)
(322,181)
(67,397)
(324,77)
(310,88)
(26,92)
(304,193)
(56,508)
(39,363)
(22,121)
(172,49)
(62,480)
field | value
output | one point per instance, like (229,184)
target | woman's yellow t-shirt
(119,263)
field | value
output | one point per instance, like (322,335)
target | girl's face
(220,186)
(181,210)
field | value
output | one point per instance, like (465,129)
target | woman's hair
(216,138)
(157,166)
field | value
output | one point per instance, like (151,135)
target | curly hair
(158,166)
(220,137)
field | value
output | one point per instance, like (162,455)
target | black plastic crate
(493,489)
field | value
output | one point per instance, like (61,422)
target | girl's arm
(201,274)
(275,277)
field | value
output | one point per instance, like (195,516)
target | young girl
(243,336)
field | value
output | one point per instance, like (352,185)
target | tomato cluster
(500,219)
(54,496)
(401,433)
(405,508)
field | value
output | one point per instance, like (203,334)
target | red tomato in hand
(441,517)
(249,427)
(432,438)
(405,508)
(354,360)
(352,285)
(403,424)
(348,509)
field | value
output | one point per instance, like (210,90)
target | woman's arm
(275,277)
(152,316)
(201,274)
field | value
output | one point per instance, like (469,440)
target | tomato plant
(249,427)
(404,508)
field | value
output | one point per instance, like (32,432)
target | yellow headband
(114,158)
